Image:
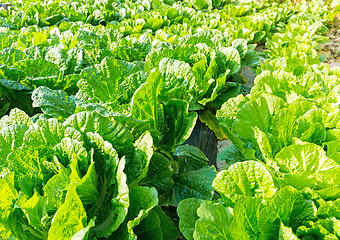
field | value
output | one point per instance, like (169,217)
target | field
(111,111)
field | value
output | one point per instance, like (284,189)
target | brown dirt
(332,49)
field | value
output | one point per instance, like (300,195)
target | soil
(332,49)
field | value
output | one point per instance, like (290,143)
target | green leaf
(176,74)
(201,4)
(232,59)
(242,179)
(241,46)
(18,225)
(10,139)
(84,233)
(25,161)
(208,118)
(322,229)
(55,189)
(48,132)
(9,56)
(33,209)
(87,186)
(329,209)
(214,222)
(54,103)
(149,227)
(115,205)
(230,155)
(190,158)
(265,148)
(306,164)
(285,121)
(70,217)
(8,196)
(16,116)
(256,113)
(179,123)
(137,168)
(168,227)
(15,95)
(145,104)
(142,200)
(229,109)
(160,173)
(187,212)
(110,130)
(106,81)
(245,224)
(196,183)
(37,68)
(57,56)
(292,208)
(306,157)
(68,149)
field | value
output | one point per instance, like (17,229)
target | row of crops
(99,97)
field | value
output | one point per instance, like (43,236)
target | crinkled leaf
(70,217)
(214,222)
(110,130)
(138,167)
(187,212)
(37,68)
(54,103)
(195,183)
(242,179)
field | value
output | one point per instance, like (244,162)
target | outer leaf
(137,168)
(256,114)
(330,209)
(307,164)
(245,224)
(55,190)
(8,196)
(187,212)
(11,138)
(232,58)
(242,179)
(103,81)
(48,133)
(69,148)
(142,199)
(33,209)
(292,208)
(191,158)
(53,102)
(149,227)
(179,121)
(16,116)
(9,56)
(208,118)
(70,217)
(168,227)
(160,173)
(25,161)
(145,104)
(110,130)
(37,68)
(116,206)
(87,186)
(214,222)
(193,184)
